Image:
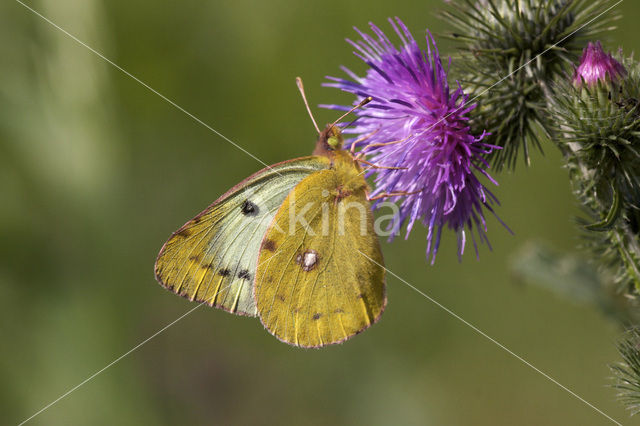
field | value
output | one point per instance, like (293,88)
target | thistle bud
(594,118)
(597,65)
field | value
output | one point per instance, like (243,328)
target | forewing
(315,285)
(212,258)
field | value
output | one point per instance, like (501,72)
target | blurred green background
(96,172)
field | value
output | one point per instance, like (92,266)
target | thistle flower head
(597,65)
(511,50)
(418,128)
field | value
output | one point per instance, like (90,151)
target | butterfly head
(330,139)
(334,137)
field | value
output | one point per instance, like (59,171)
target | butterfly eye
(335,142)
(332,142)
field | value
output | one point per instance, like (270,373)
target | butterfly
(293,244)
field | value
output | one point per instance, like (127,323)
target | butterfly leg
(393,194)
(375,166)
(362,139)
(377,145)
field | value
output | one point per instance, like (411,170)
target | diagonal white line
(494,341)
(109,365)
(266,165)
(145,85)
(129,351)
(553,46)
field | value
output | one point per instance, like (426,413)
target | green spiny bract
(627,372)
(617,251)
(511,50)
(597,128)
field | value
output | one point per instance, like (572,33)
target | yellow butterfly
(292,244)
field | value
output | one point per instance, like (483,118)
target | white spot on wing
(310,259)
(307,260)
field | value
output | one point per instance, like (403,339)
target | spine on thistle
(627,372)
(511,50)
(594,117)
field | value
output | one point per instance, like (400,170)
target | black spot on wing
(268,244)
(317,316)
(244,274)
(224,272)
(184,233)
(249,209)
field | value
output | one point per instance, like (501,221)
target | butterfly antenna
(352,122)
(360,105)
(304,98)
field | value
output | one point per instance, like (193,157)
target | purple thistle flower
(413,107)
(596,65)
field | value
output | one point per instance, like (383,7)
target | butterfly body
(291,244)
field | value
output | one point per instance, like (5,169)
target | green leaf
(614,213)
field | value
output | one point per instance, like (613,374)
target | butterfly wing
(314,285)
(212,258)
